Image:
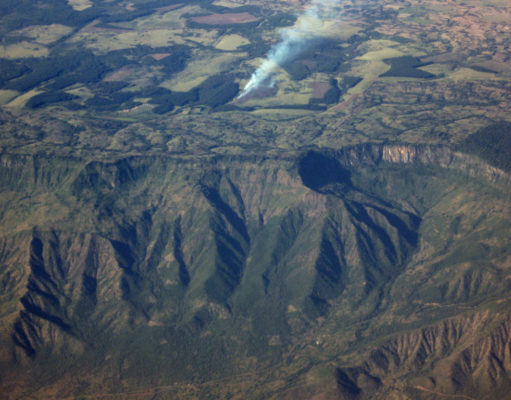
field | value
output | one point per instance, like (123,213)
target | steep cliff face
(198,269)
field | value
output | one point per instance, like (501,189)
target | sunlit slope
(212,268)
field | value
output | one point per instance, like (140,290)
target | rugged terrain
(377,269)
(343,235)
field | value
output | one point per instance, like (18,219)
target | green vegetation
(11,69)
(166,99)
(279,20)
(297,71)
(298,243)
(112,102)
(56,11)
(331,96)
(217,90)
(173,63)
(256,48)
(41,70)
(492,144)
(213,92)
(323,55)
(251,9)
(406,67)
(350,81)
(44,99)
(63,71)
(152,4)
(59,72)
(187,281)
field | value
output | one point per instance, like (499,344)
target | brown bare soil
(160,56)
(121,74)
(320,89)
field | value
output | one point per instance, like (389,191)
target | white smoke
(310,24)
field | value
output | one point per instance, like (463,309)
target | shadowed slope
(215,268)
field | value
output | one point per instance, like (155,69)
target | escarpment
(380,254)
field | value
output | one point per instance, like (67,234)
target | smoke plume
(293,40)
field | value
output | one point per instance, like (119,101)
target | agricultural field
(153,60)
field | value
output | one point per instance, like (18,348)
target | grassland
(206,64)
(80,5)
(6,96)
(23,49)
(141,57)
(217,48)
(21,100)
(231,42)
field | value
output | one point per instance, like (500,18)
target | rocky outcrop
(465,357)
(439,156)
(134,262)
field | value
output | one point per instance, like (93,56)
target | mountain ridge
(244,254)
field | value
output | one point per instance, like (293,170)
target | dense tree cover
(41,70)
(88,69)
(323,55)
(215,91)
(125,15)
(331,96)
(65,70)
(134,53)
(350,81)
(166,100)
(256,48)
(29,12)
(279,20)
(113,101)
(108,96)
(156,93)
(164,3)
(183,98)
(297,71)
(406,66)
(492,144)
(46,98)
(310,107)
(177,59)
(109,88)
(10,69)
(254,10)
(163,108)
(70,66)
(58,72)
